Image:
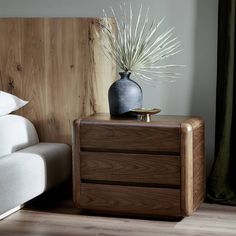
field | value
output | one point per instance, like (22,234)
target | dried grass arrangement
(137,47)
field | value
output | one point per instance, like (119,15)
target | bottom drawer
(130,199)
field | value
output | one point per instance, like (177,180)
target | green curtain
(222,181)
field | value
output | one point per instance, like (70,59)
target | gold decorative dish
(145,113)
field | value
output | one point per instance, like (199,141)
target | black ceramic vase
(124,95)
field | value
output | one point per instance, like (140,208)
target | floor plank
(61,218)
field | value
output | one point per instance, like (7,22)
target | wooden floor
(60,218)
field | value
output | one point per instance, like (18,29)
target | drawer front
(130,200)
(130,168)
(110,137)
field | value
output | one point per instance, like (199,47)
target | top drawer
(125,137)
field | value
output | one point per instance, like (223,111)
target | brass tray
(145,113)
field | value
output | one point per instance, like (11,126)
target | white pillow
(10,103)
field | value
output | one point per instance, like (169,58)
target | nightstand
(123,166)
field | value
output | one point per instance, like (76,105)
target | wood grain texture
(58,65)
(193,164)
(129,137)
(133,200)
(63,219)
(159,120)
(199,165)
(76,170)
(132,163)
(186,169)
(132,168)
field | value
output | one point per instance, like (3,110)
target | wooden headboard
(58,65)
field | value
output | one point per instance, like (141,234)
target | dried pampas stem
(138,48)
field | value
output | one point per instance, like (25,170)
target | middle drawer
(131,168)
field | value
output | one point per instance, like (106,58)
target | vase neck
(124,75)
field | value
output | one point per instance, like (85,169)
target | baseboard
(6,214)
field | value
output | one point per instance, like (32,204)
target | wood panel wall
(58,65)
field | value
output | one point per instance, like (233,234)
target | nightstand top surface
(156,120)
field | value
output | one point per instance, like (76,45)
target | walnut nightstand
(123,166)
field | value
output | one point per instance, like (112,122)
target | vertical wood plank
(33,81)
(59,66)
